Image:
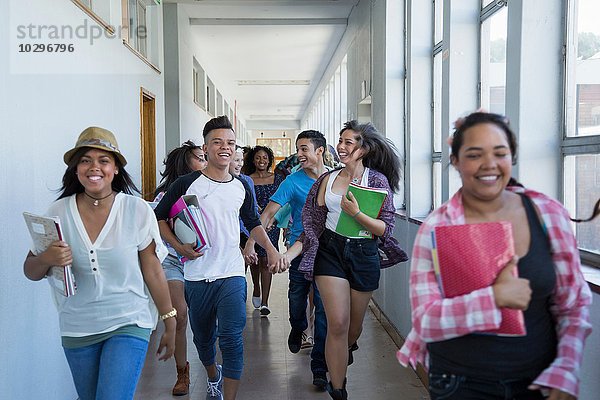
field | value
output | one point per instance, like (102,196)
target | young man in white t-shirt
(215,283)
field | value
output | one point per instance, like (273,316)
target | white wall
(192,117)
(43,112)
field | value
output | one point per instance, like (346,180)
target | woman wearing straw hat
(112,241)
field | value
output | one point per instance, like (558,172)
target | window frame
(436,148)
(89,10)
(126,28)
(488,12)
(573,145)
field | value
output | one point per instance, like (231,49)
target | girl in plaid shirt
(550,288)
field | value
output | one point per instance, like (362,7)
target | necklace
(358,179)
(210,180)
(97,199)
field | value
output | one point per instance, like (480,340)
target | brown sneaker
(182,386)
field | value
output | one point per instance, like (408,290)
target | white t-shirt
(221,204)
(111,292)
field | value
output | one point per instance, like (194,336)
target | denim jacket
(314,217)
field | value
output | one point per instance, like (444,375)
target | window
(583,70)
(329,111)
(220,104)
(343,91)
(493,57)
(210,97)
(581,144)
(199,85)
(140,26)
(436,105)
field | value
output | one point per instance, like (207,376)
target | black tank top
(501,357)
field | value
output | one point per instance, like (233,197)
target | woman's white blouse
(110,287)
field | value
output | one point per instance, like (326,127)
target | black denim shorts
(356,260)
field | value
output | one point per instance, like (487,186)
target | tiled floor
(272,372)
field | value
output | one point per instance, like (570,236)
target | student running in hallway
(215,284)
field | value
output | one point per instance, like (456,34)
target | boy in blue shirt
(293,190)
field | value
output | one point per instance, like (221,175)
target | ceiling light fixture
(274,82)
(272,116)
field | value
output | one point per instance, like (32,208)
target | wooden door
(148,141)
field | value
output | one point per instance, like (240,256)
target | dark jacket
(314,217)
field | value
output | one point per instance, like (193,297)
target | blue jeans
(108,370)
(444,386)
(223,300)
(298,300)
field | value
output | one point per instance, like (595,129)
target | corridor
(272,372)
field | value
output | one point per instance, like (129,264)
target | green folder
(370,201)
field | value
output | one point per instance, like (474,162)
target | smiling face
(261,160)
(96,170)
(484,162)
(219,146)
(348,147)
(308,156)
(235,168)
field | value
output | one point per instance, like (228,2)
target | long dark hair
(249,168)
(177,163)
(380,153)
(122,181)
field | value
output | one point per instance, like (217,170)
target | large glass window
(493,57)
(436,106)
(583,72)
(582,190)
(581,145)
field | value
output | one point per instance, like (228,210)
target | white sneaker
(307,341)
(214,390)
(256,302)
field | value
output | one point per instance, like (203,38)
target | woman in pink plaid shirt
(550,288)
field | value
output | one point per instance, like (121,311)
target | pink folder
(469,257)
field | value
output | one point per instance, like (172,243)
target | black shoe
(295,341)
(264,311)
(337,394)
(320,380)
(351,350)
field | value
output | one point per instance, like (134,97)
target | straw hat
(98,138)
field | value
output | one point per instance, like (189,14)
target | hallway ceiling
(267,55)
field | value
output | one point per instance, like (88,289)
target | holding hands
(249,253)
(277,262)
